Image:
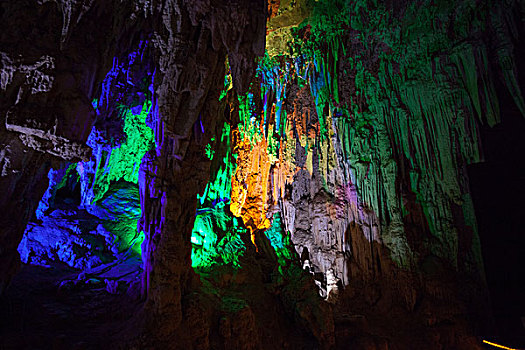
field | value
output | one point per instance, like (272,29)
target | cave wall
(49,80)
(194,44)
(361,121)
(349,139)
(52,63)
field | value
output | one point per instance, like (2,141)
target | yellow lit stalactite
(250,185)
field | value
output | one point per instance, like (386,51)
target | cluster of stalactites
(241,177)
(389,110)
(389,103)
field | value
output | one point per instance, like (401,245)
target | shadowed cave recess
(212,174)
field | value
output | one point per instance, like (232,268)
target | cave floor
(37,314)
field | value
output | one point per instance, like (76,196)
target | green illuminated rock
(216,238)
(113,163)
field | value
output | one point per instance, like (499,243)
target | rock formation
(281,174)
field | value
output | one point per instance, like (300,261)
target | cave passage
(497,193)
(88,217)
(261,174)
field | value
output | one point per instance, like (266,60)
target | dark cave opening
(70,193)
(498,192)
(497,187)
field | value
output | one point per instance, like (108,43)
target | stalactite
(410,97)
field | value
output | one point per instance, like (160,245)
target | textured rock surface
(84,238)
(187,37)
(349,141)
(105,184)
(368,140)
(178,168)
(391,165)
(48,80)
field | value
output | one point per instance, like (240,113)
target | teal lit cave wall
(216,236)
(116,160)
(126,103)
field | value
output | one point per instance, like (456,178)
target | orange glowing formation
(250,185)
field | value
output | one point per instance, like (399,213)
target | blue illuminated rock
(68,236)
(85,237)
